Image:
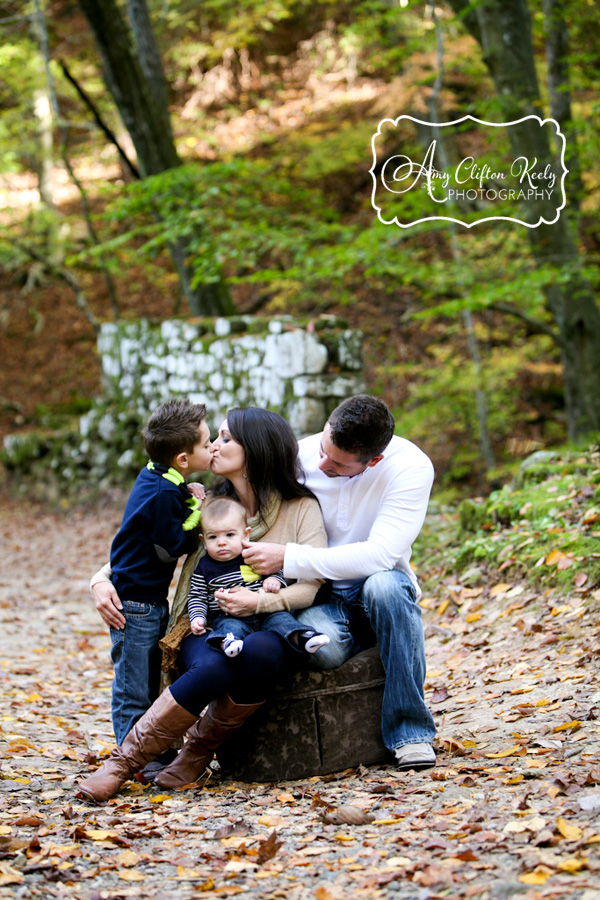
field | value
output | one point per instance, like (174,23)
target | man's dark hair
(172,429)
(361,425)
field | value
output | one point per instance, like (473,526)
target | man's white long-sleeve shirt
(371,519)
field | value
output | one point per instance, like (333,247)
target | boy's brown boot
(163,723)
(222,718)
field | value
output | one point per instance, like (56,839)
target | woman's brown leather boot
(222,718)
(163,723)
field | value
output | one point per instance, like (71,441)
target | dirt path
(511,810)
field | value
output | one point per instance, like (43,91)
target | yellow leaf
(544,702)
(131,875)
(344,837)
(385,821)
(160,798)
(500,589)
(513,751)
(570,832)
(33,698)
(443,607)
(573,864)
(515,780)
(538,876)
(8,875)
(184,874)
(553,557)
(566,726)
(5,829)
(285,798)
(97,834)
(240,865)
(128,858)
(473,617)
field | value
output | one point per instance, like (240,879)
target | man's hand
(108,604)
(263,557)
(237,601)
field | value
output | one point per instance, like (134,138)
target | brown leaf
(347,815)
(237,828)
(439,695)
(268,848)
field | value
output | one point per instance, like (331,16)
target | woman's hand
(108,604)
(237,601)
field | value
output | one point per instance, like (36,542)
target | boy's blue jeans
(382,609)
(282,623)
(136,658)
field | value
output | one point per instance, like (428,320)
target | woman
(257,456)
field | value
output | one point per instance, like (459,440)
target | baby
(224,527)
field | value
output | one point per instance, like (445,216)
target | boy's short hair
(173,428)
(362,425)
(218,508)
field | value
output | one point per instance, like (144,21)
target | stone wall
(299,369)
(301,372)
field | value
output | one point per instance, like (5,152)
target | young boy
(224,527)
(159,525)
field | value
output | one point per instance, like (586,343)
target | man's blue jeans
(381,609)
(136,658)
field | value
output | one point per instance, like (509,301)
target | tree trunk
(42,108)
(145,118)
(503,30)
(147,50)
(557,60)
(145,114)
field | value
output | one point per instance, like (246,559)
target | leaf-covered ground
(512,808)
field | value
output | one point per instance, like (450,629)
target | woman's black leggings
(208,673)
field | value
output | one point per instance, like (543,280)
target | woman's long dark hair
(271,451)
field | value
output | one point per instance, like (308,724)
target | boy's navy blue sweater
(145,550)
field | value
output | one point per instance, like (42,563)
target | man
(373,488)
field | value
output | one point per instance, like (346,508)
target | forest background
(175,159)
(242,184)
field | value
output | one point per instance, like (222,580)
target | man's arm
(396,526)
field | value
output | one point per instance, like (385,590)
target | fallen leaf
(347,815)
(573,864)
(268,848)
(568,831)
(130,875)
(128,858)
(540,875)
(8,875)
(517,750)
